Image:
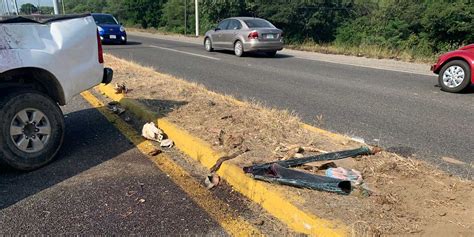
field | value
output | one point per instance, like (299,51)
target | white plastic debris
(358,139)
(167,143)
(212,180)
(151,132)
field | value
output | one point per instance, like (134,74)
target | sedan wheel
(454,76)
(208,45)
(238,49)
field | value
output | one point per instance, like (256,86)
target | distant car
(245,34)
(110,30)
(455,69)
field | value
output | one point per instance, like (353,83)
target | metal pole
(56,7)
(64,9)
(197,16)
(4,11)
(16,7)
(185,17)
(8,7)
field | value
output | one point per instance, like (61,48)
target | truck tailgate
(66,47)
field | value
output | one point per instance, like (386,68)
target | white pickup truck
(44,62)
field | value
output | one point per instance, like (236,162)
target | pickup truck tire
(31,129)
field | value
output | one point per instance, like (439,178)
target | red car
(455,69)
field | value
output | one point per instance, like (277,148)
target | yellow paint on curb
(257,191)
(218,210)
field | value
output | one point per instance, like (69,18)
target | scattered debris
(298,155)
(168,143)
(121,89)
(151,132)
(141,200)
(453,161)
(358,139)
(211,103)
(226,117)
(220,137)
(115,108)
(234,141)
(279,172)
(225,158)
(212,180)
(323,166)
(345,174)
(155,152)
(130,193)
(294,151)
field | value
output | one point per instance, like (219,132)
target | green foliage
(419,27)
(45,10)
(173,17)
(28,9)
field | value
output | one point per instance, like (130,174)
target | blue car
(110,30)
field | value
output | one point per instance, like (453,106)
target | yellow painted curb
(257,191)
(217,209)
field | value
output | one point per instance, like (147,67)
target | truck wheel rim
(453,76)
(30,130)
(238,48)
(208,44)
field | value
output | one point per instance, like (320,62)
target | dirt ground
(410,196)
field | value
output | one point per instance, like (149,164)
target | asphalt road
(95,187)
(406,113)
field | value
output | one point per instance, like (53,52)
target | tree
(28,9)
(45,10)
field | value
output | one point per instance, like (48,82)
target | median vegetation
(401,29)
(408,196)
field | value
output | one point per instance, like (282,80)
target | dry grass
(411,197)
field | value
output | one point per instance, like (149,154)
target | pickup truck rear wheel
(31,129)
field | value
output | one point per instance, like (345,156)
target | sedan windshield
(105,20)
(258,23)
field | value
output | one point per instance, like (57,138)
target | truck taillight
(101,51)
(253,35)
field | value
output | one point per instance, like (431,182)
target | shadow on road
(89,141)
(256,54)
(128,43)
(468,91)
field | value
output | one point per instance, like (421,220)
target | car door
(217,36)
(229,34)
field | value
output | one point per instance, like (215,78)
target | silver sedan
(245,34)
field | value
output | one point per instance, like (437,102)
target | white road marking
(184,52)
(364,66)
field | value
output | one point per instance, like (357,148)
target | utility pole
(185,17)
(8,7)
(4,11)
(197,17)
(16,7)
(64,9)
(56,7)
